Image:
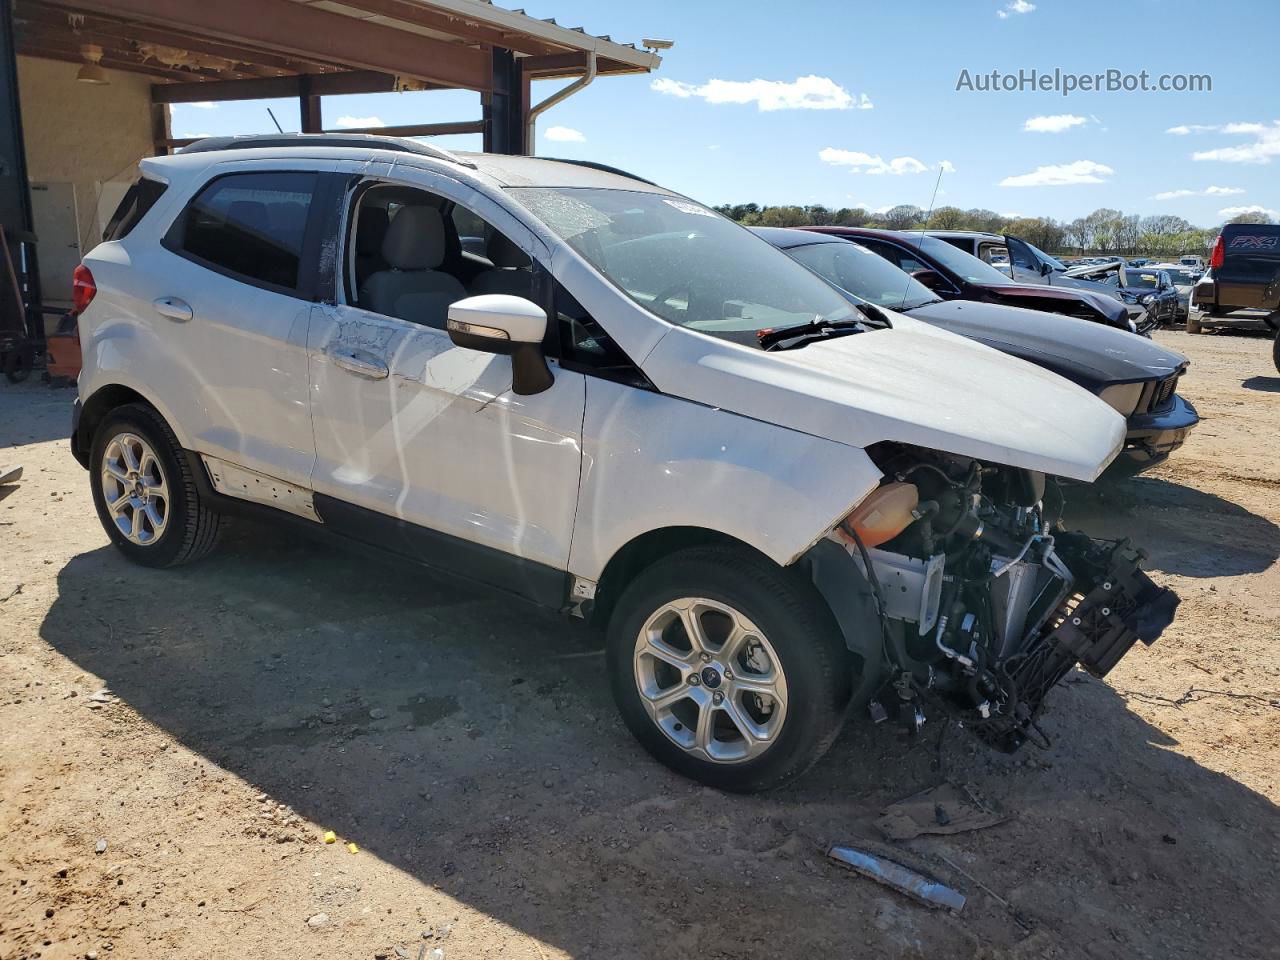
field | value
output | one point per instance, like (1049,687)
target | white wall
(88,135)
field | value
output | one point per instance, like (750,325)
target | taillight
(1219,253)
(83,289)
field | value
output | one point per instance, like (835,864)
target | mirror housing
(1045,269)
(506,325)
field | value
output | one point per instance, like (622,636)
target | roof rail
(368,141)
(602,167)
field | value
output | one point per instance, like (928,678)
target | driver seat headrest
(415,240)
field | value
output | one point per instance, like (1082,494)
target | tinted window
(140,198)
(864,274)
(251,224)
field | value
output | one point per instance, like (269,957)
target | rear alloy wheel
(728,668)
(144,491)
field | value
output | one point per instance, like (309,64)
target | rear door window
(251,226)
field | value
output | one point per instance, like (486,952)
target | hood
(914,384)
(1085,352)
(1107,306)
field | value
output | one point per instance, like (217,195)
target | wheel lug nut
(718,698)
(694,679)
(706,658)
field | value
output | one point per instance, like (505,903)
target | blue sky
(854,103)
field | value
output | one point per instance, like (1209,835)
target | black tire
(788,610)
(191,529)
(18,363)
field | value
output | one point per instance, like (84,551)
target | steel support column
(15,190)
(506,108)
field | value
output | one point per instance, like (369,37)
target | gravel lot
(470,750)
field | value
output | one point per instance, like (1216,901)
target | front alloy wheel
(728,668)
(710,680)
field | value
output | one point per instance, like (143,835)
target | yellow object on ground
(330,837)
(353,848)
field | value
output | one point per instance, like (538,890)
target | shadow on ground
(1186,531)
(1264,384)
(502,776)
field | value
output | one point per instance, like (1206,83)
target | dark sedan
(955,275)
(1135,376)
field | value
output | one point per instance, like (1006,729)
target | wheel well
(95,410)
(645,550)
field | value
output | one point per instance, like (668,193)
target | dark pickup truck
(1244,274)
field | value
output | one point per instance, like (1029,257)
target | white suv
(593,393)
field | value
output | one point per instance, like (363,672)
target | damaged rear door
(422,448)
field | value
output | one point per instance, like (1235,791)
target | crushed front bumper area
(1152,437)
(1111,606)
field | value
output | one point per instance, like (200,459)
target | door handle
(173,308)
(360,363)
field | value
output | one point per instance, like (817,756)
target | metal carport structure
(219,50)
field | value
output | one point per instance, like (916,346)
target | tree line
(1105,231)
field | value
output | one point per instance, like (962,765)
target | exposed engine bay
(985,600)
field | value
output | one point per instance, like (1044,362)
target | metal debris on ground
(12,593)
(943,809)
(929,892)
(10,474)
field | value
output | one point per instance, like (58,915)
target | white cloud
(1053,123)
(565,135)
(946,166)
(1206,192)
(870,163)
(1265,147)
(803,93)
(1186,128)
(1061,175)
(864,102)
(193,136)
(1015,6)
(199,105)
(354,123)
(1230,212)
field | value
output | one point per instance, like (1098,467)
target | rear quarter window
(138,199)
(249,225)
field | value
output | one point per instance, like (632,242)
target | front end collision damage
(983,602)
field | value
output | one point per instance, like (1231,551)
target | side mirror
(930,278)
(511,326)
(1045,269)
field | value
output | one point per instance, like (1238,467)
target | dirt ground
(469,748)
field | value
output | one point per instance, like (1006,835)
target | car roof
(503,170)
(787,237)
(965,233)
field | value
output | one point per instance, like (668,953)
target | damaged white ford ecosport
(591,392)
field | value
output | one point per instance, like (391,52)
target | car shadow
(472,744)
(1185,531)
(1264,384)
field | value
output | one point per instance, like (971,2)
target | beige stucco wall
(88,135)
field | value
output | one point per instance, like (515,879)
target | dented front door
(417,430)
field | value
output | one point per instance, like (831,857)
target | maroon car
(955,275)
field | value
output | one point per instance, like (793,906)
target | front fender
(651,461)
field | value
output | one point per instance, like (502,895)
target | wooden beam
(309,116)
(88,27)
(420,129)
(414,12)
(124,51)
(322,84)
(299,30)
(107,63)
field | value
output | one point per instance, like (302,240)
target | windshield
(683,262)
(1051,261)
(1179,276)
(964,265)
(1142,279)
(864,274)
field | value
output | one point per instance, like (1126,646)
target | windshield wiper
(819,328)
(773,339)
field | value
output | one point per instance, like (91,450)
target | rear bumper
(1151,437)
